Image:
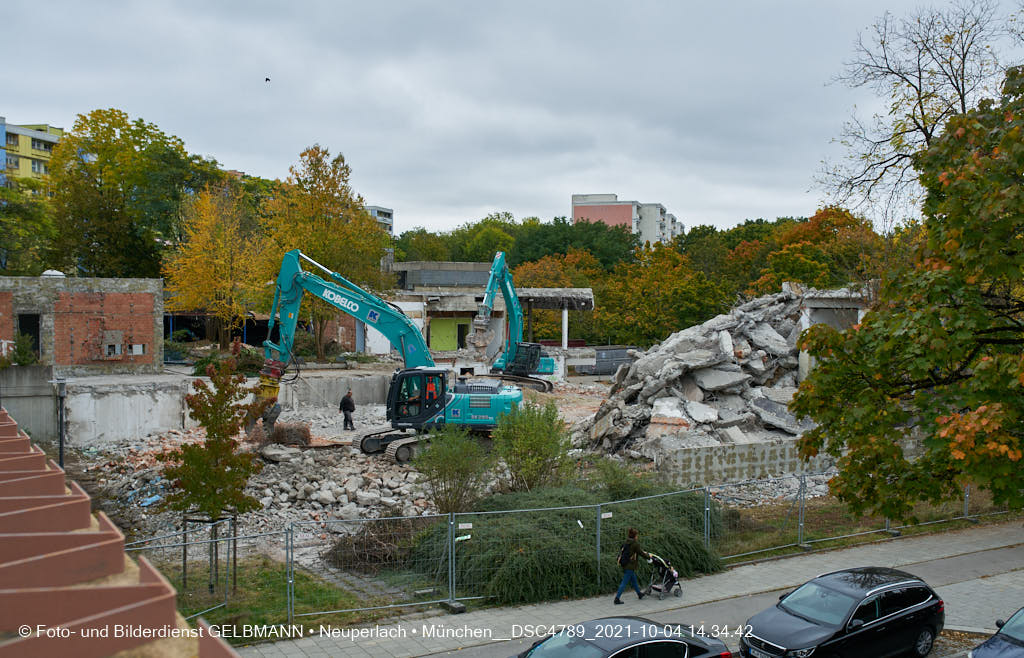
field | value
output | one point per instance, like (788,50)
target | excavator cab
(416,396)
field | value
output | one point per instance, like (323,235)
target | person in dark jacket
(629,569)
(346,407)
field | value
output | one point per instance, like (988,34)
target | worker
(431,390)
(348,406)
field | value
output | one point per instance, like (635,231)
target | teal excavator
(523,363)
(421,395)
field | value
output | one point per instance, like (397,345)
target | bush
(291,434)
(304,344)
(617,481)
(454,467)
(201,366)
(23,354)
(532,441)
(525,557)
(182,336)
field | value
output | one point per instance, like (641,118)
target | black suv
(868,611)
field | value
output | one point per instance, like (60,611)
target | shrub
(525,557)
(202,366)
(532,441)
(617,481)
(382,544)
(291,434)
(454,467)
(182,336)
(304,344)
(24,354)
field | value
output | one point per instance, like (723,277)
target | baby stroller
(664,579)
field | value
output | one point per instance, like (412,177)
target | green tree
(532,441)
(940,359)
(210,477)
(643,302)
(454,467)
(118,185)
(318,212)
(26,228)
(419,244)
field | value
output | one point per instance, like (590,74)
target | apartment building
(650,222)
(27,148)
(385,217)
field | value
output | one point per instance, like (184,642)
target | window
(138,349)
(901,599)
(867,612)
(12,140)
(38,167)
(41,145)
(12,161)
(113,349)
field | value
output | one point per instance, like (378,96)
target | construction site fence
(361,570)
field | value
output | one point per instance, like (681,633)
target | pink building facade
(650,222)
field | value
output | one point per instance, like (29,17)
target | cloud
(448,111)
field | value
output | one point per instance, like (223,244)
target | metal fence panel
(344,566)
(757,516)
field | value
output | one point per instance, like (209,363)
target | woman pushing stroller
(628,561)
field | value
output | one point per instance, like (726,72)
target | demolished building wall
(710,402)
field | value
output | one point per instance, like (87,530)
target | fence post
(802,495)
(967,501)
(707,518)
(451,557)
(598,547)
(289,552)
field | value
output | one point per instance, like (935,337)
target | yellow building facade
(28,149)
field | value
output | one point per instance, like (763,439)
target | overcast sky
(448,110)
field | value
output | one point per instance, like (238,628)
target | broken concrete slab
(712,379)
(278,453)
(777,415)
(701,413)
(768,339)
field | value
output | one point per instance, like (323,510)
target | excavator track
(542,385)
(402,450)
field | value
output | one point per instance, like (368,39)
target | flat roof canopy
(555,299)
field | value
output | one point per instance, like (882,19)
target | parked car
(1008,642)
(868,611)
(623,637)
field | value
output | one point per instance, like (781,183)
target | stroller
(664,578)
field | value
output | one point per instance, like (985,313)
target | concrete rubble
(726,381)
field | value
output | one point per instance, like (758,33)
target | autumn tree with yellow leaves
(214,268)
(318,212)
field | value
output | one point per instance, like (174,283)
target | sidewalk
(479,627)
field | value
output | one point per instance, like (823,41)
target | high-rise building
(650,222)
(385,217)
(28,149)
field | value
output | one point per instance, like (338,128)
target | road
(978,588)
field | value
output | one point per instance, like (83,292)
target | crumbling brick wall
(87,325)
(6,322)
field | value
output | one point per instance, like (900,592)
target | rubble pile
(726,381)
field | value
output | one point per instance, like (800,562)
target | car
(853,613)
(1008,642)
(626,637)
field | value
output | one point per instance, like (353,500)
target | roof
(861,580)
(576,299)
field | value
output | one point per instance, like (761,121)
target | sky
(450,110)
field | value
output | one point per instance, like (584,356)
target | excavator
(421,396)
(518,362)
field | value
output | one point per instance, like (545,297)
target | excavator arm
(339,292)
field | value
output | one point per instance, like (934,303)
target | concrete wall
(734,463)
(27,395)
(326,389)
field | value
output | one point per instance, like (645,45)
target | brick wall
(7,319)
(89,325)
(97,328)
(343,330)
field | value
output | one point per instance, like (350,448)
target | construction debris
(726,381)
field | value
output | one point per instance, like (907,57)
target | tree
(318,212)
(577,269)
(419,244)
(210,477)
(118,185)
(928,66)
(26,228)
(940,359)
(643,302)
(215,267)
